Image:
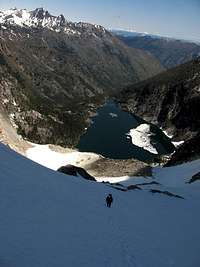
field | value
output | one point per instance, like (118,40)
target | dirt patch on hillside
(9,136)
(115,168)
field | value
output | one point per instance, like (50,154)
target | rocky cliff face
(53,73)
(189,151)
(171,100)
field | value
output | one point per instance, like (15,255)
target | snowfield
(141,137)
(44,155)
(51,219)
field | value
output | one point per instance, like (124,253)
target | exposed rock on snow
(167,193)
(169,177)
(76,171)
(194,178)
(176,176)
(141,136)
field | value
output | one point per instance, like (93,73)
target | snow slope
(51,219)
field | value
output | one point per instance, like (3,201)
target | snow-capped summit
(35,18)
(42,18)
(14,16)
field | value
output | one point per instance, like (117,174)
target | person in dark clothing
(109,200)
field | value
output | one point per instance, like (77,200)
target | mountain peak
(40,13)
(36,18)
(41,18)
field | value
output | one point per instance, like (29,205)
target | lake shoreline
(109,135)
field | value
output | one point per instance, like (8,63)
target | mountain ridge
(170,52)
(133,33)
(42,18)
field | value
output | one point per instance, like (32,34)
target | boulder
(76,171)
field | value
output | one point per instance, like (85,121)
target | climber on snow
(109,200)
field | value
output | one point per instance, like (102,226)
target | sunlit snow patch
(167,134)
(177,144)
(44,155)
(141,137)
(124,180)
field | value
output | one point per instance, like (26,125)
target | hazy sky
(175,18)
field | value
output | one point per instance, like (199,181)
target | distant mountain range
(169,51)
(132,33)
(54,72)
